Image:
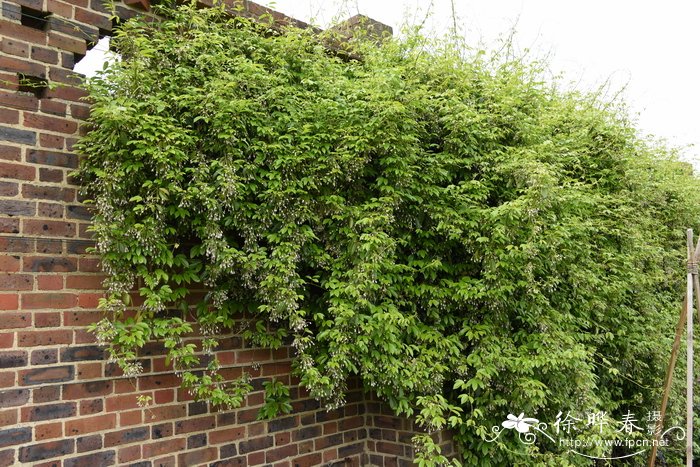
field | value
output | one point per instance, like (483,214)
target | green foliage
(277,400)
(468,239)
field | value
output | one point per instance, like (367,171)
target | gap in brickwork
(90,45)
(35,19)
(33,84)
(97,55)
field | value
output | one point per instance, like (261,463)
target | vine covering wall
(61,401)
(468,238)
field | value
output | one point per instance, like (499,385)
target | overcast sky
(652,46)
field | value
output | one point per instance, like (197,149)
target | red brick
(69,44)
(14,398)
(7,340)
(159,365)
(10,116)
(81,318)
(48,431)
(131,418)
(34,301)
(123,386)
(46,394)
(12,207)
(48,192)
(36,338)
(87,390)
(271,369)
(8,188)
(84,282)
(48,450)
(44,357)
(44,55)
(14,320)
(68,93)
(129,454)
(195,424)
(84,231)
(48,246)
(18,65)
(308,461)
(54,210)
(49,264)
(10,153)
(8,302)
(167,461)
(9,225)
(330,455)
(53,107)
(16,282)
(59,159)
(50,283)
(163,447)
(91,424)
(48,228)
(83,336)
(256,458)
(7,379)
(282,439)
(52,374)
(253,355)
(44,122)
(158,382)
(47,320)
(51,175)
(91,406)
(131,435)
(166,412)
(61,9)
(162,430)
(18,100)
(81,112)
(63,76)
(14,47)
(21,32)
(48,412)
(121,402)
(52,141)
(273,455)
(164,396)
(90,370)
(9,417)
(17,171)
(71,142)
(89,265)
(200,457)
(9,263)
(89,443)
(9,81)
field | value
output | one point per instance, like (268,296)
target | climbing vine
(466,237)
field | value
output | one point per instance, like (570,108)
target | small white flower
(520,423)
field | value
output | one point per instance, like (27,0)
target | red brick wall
(61,403)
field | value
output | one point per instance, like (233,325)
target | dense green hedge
(466,237)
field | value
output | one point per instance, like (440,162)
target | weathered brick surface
(61,403)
